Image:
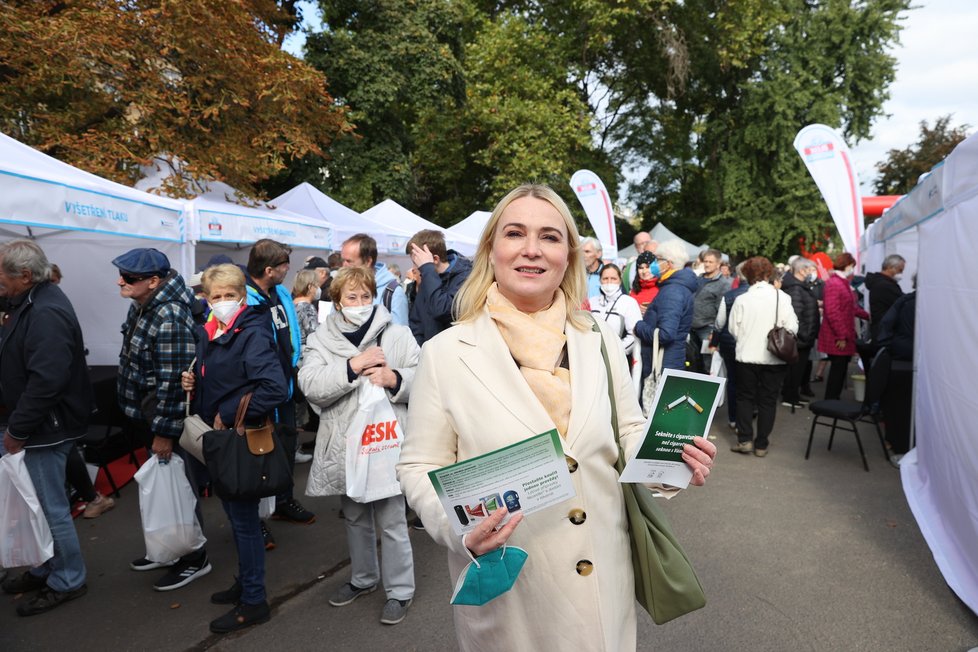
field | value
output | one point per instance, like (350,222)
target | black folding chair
(831,412)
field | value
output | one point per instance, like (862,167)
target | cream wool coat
(324,381)
(469,398)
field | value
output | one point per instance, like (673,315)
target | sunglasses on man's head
(132,279)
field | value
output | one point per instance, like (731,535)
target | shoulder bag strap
(190,369)
(239,417)
(620,465)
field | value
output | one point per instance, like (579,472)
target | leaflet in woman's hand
(526,476)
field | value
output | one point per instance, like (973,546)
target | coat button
(585,567)
(571,463)
(577,516)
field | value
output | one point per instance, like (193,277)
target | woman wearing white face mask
(359,344)
(305,291)
(617,308)
(237,354)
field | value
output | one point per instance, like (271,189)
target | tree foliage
(903,167)
(107,85)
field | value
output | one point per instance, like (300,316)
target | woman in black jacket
(237,354)
(797,285)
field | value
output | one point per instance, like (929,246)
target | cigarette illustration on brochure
(683,408)
(526,476)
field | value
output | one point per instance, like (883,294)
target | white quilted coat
(324,381)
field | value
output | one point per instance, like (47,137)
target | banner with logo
(828,161)
(594,199)
(248,225)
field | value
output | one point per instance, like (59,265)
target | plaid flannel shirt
(158,344)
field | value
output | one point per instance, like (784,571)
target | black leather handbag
(780,341)
(247,463)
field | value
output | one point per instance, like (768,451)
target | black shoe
(807,392)
(24,583)
(243,615)
(817,379)
(267,537)
(143,564)
(417,524)
(185,572)
(48,599)
(291,510)
(230,596)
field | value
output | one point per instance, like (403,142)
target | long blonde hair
(471,298)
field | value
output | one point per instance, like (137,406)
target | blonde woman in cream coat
(576,590)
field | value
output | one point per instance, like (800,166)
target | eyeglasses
(132,279)
(661,259)
(280,263)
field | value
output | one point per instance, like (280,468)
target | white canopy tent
(939,472)
(391,214)
(472,226)
(82,222)
(306,199)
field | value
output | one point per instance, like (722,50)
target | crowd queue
(472,355)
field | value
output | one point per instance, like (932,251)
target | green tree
(902,168)
(107,85)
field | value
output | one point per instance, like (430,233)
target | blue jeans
(246,527)
(46,466)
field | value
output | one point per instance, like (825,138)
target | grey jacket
(706,303)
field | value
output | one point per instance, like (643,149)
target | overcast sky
(937,74)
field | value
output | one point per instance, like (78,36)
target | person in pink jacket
(837,336)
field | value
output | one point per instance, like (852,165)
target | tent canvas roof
(472,226)
(390,213)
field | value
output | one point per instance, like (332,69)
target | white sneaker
(302,458)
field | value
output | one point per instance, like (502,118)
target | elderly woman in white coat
(522,360)
(359,344)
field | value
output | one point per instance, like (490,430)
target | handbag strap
(777,308)
(620,465)
(190,369)
(239,416)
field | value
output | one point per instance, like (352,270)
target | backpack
(389,293)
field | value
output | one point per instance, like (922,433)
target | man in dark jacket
(884,290)
(157,345)
(727,345)
(796,284)
(45,387)
(671,311)
(442,274)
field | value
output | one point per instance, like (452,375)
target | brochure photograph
(683,408)
(526,476)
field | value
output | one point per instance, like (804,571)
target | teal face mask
(488,576)
(654,268)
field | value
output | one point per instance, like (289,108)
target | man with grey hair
(672,310)
(591,250)
(45,386)
(797,284)
(884,289)
(706,303)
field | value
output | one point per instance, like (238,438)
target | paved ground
(794,555)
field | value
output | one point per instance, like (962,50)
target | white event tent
(472,226)
(935,227)
(306,199)
(391,214)
(82,222)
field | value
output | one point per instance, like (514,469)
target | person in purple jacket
(837,336)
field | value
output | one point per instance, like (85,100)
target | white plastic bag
(719,369)
(373,445)
(25,538)
(166,505)
(266,507)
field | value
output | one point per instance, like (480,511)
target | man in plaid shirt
(157,345)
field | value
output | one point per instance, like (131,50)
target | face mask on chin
(898,277)
(225,310)
(318,295)
(357,315)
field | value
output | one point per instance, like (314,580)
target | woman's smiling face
(530,253)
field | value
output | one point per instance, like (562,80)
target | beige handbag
(192,438)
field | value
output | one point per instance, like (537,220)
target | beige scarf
(537,342)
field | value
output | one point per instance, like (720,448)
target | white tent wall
(939,473)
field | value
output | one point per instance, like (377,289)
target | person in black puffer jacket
(797,285)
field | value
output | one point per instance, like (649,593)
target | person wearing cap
(321,267)
(158,344)
(45,387)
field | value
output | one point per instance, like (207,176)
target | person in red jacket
(645,286)
(837,336)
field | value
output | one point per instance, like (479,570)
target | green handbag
(665,583)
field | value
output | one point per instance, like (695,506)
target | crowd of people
(505,333)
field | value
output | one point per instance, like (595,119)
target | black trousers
(77,475)
(838,366)
(757,388)
(795,378)
(728,353)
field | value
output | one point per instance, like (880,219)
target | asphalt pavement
(793,554)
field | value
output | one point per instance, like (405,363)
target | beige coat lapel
(587,374)
(486,355)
